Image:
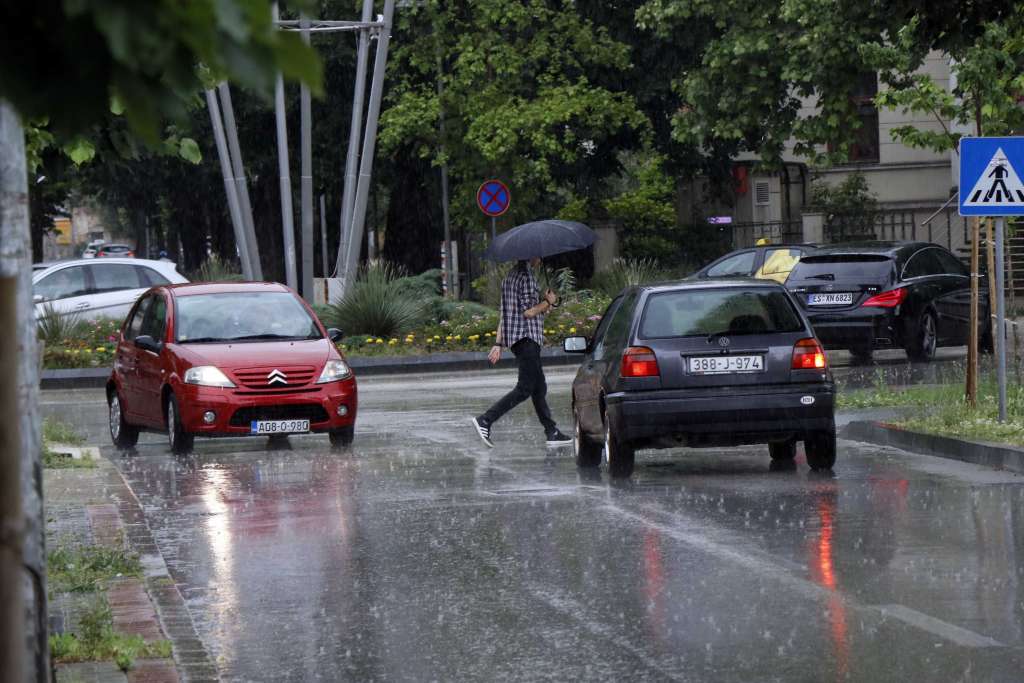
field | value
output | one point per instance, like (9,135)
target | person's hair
(523,264)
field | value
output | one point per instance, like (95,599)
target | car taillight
(890,299)
(808,355)
(639,361)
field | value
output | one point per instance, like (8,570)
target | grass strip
(97,641)
(83,569)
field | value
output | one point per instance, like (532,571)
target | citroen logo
(723,341)
(277,376)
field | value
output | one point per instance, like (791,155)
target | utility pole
(230,191)
(306,183)
(287,213)
(369,142)
(323,234)
(23,611)
(450,268)
(240,181)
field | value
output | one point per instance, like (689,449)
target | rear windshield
(844,267)
(704,312)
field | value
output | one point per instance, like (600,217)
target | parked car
(228,359)
(91,248)
(880,295)
(769,262)
(702,363)
(115,251)
(93,289)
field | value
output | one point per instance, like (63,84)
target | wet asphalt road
(420,555)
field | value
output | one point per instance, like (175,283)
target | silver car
(97,288)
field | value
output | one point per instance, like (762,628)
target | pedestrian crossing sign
(990,181)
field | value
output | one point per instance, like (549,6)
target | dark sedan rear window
(703,312)
(844,268)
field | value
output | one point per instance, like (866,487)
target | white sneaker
(484,431)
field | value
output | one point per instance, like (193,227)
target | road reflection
(823,571)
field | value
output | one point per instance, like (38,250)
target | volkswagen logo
(277,376)
(723,341)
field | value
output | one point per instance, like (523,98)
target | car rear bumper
(234,411)
(678,417)
(863,328)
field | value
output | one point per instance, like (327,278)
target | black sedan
(879,295)
(769,262)
(709,363)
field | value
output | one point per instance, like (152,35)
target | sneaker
(484,430)
(556,439)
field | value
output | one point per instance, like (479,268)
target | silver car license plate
(829,299)
(723,365)
(279,426)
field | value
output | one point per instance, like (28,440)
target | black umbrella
(540,238)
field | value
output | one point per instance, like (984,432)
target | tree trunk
(16,265)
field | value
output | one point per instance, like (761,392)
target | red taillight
(890,299)
(808,355)
(639,361)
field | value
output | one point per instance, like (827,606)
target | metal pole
(229,184)
(494,228)
(287,212)
(1000,331)
(305,117)
(238,167)
(449,266)
(352,157)
(323,234)
(369,140)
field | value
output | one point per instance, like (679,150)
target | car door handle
(82,306)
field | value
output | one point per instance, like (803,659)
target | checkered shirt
(519,292)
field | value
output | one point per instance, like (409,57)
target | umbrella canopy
(540,238)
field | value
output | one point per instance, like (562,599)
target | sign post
(991,186)
(493,198)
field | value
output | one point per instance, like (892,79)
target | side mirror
(575,344)
(335,334)
(147,343)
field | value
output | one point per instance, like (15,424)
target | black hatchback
(878,295)
(708,363)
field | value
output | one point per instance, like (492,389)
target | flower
(594,318)
(392,342)
(379,340)
(448,338)
(474,337)
(458,337)
(572,330)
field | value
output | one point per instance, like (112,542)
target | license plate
(830,299)
(279,426)
(722,365)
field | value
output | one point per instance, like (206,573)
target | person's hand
(495,354)
(550,297)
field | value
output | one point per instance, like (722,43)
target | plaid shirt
(519,292)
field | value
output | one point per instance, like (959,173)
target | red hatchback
(228,359)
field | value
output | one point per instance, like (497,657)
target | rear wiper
(823,276)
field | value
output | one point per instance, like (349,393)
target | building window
(865,146)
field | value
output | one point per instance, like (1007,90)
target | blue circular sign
(493,198)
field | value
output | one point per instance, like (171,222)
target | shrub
(625,273)
(376,305)
(54,327)
(215,269)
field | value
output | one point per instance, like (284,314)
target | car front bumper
(668,418)
(235,410)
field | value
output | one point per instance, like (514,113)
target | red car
(228,359)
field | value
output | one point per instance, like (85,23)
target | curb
(91,378)
(998,457)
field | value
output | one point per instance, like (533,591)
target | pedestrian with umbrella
(521,318)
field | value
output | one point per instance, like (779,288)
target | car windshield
(705,312)
(243,316)
(844,267)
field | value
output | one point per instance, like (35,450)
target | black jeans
(531,384)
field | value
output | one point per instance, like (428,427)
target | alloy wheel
(928,335)
(115,417)
(171,417)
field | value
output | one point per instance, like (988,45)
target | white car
(98,288)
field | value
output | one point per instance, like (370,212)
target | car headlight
(335,370)
(207,376)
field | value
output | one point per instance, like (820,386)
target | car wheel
(621,455)
(821,450)
(783,450)
(342,438)
(986,343)
(922,346)
(588,453)
(123,434)
(180,440)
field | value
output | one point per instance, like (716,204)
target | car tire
(123,435)
(820,450)
(986,343)
(343,437)
(925,340)
(179,439)
(782,450)
(621,455)
(588,453)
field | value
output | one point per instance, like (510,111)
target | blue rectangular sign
(990,180)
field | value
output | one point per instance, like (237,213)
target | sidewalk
(91,513)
